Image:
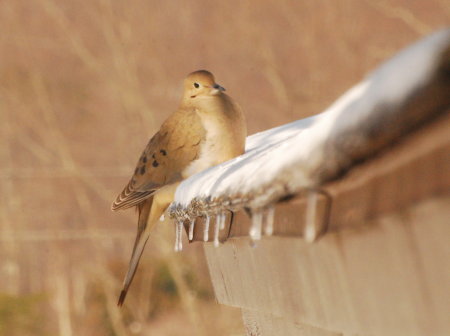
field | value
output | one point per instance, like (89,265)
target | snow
(303,154)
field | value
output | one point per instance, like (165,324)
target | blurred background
(84,85)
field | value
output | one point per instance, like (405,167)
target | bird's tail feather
(142,236)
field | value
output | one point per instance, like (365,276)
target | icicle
(216,231)
(221,218)
(191,229)
(178,236)
(162,218)
(255,230)
(206,228)
(310,230)
(269,217)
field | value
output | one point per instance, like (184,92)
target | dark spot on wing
(136,170)
(155,163)
(142,170)
(144,159)
(163,152)
(153,156)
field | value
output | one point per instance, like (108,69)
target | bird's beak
(218,87)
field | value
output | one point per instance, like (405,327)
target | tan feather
(180,137)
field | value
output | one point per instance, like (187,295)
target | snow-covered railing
(400,95)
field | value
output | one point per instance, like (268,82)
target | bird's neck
(205,102)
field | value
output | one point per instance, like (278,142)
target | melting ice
(218,225)
(257,219)
(310,232)
(191,229)
(206,228)
(269,216)
(178,237)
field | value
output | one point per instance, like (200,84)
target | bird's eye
(196,85)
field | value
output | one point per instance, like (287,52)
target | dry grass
(82,87)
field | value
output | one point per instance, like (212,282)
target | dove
(207,129)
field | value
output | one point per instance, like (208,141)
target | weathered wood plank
(387,277)
(257,324)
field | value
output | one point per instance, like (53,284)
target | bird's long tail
(153,207)
(143,233)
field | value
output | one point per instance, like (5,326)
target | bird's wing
(167,154)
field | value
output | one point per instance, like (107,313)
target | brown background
(83,85)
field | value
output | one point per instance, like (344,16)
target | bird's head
(200,84)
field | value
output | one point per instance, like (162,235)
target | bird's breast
(218,146)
